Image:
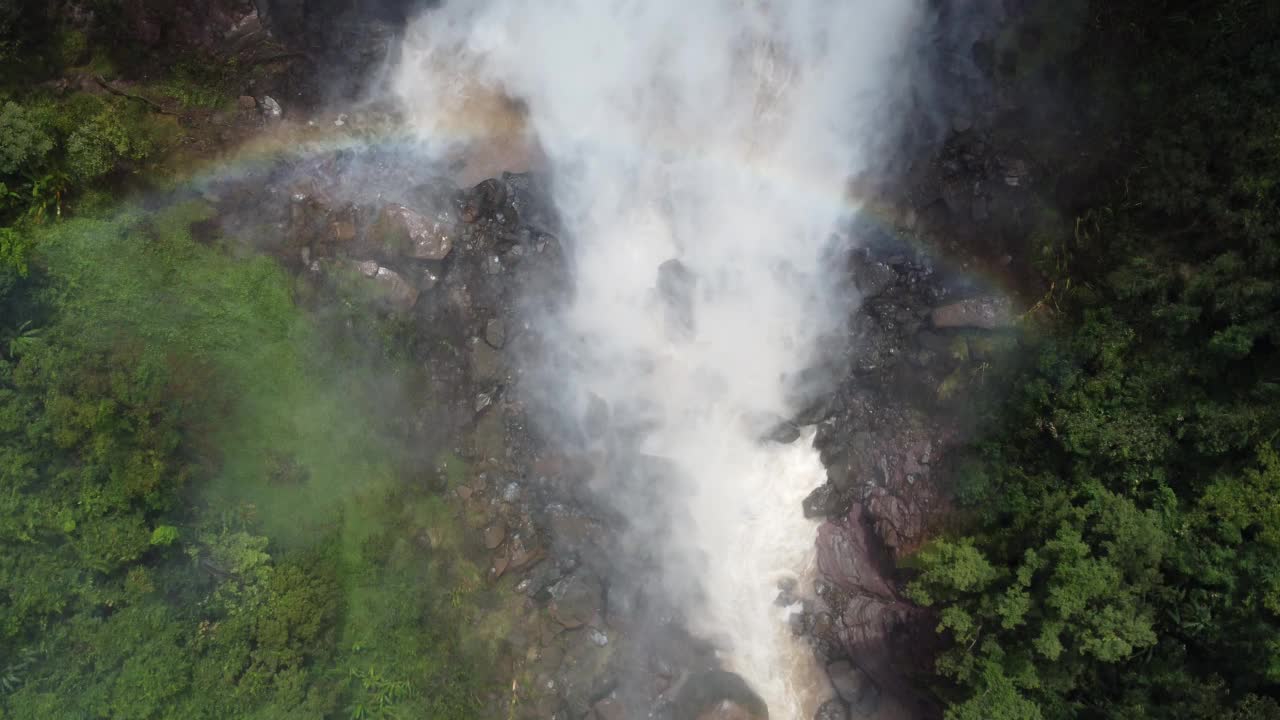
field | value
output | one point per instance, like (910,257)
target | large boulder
(718,695)
(871,277)
(410,234)
(846,556)
(577,600)
(389,287)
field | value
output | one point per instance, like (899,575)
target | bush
(1121,557)
(25,141)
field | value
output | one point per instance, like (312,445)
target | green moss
(455,470)
(203,82)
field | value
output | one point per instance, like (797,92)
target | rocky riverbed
(470,269)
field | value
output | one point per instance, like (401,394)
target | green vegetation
(208,509)
(1119,550)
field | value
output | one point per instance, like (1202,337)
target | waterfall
(700,154)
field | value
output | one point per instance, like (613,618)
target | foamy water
(765,540)
(722,134)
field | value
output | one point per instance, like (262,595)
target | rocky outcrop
(413,235)
(989,312)
(849,558)
(913,352)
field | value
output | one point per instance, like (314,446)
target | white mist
(721,133)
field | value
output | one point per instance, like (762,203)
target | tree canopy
(1118,556)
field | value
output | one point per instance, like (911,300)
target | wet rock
(269,108)
(486,362)
(390,288)
(485,200)
(408,233)
(867,624)
(718,695)
(522,553)
(845,556)
(246,102)
(500,565)
(877,342)
(397,293)
(989,312)
(495,534)
(824,501)
(573,530)
(342,225)
(495,333)
(577,600)
(801,623)
(583,676)
(309,211)
(871,278)
(855,688)
(898,521)
(609,709)
(511,493)
(423,276)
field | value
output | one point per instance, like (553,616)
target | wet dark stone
(483,201)
(824,501)
(704,691)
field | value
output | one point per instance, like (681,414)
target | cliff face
(348,39)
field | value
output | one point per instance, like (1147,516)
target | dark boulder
(824,501)
(484,201)
(718,695)
(577,600)
(410,234)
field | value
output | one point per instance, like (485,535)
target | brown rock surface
(988,312)
(409,233)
